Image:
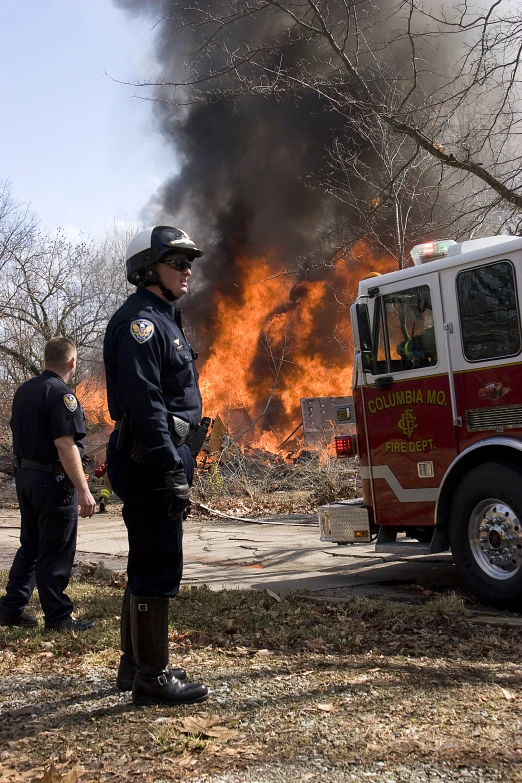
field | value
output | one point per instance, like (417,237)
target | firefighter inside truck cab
(418,350)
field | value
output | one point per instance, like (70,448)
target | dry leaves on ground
(206,727)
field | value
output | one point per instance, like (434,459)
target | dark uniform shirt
(44,409)
(150,373)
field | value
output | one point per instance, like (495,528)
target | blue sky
(75,144)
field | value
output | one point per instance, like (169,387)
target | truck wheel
(486,533)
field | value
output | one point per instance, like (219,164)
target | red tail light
(345,445)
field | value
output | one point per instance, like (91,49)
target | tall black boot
(128,666)
(154,682)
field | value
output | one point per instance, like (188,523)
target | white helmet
(151,246)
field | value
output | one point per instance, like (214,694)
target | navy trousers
(155,564)
(49,511)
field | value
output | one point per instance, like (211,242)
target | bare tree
(107,287)
(46,290)
(111,275)
(400,195)
(274,349)
(51,286)
(18,224)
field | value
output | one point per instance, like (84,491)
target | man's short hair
(59,350)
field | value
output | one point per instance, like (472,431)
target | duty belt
(31,464)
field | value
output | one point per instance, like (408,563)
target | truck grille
(505,417)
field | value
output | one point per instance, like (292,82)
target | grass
(200,617)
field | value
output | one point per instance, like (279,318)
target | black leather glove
(178,490)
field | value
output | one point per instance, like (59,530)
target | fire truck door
(482,303)
(410,432)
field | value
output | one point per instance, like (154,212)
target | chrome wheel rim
(495,537)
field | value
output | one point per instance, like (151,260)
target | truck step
(387,542)
(404,547)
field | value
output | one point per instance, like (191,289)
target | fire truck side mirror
(364,335)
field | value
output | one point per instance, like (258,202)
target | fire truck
(437,409)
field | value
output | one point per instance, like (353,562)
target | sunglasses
(179,264)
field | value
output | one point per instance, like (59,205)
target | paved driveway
(229,554)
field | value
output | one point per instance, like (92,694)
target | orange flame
(93,398)
(283,341)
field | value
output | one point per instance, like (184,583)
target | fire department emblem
(70,402)
(142,330)
(408,422)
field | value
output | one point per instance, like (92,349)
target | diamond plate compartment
(345,522)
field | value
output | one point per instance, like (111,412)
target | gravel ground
(305,725)
(277,773)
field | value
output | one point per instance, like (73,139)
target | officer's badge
(142,330)
(70,402)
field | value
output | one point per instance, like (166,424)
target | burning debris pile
(257,481)
(270,481)
(267,347)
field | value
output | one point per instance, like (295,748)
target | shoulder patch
(142,330)
(70,402)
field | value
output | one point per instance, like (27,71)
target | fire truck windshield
(404,331)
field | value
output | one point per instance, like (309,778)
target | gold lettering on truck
(407,397)
(404,447)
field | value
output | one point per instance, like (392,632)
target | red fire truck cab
(437,391)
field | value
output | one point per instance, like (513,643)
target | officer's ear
(72,362)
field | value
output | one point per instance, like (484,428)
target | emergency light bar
(431,250)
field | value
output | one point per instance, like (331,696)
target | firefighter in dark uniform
(48,429)
(153,396)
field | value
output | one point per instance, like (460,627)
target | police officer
(153,396)
(48,429)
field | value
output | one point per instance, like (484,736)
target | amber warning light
(345,445)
